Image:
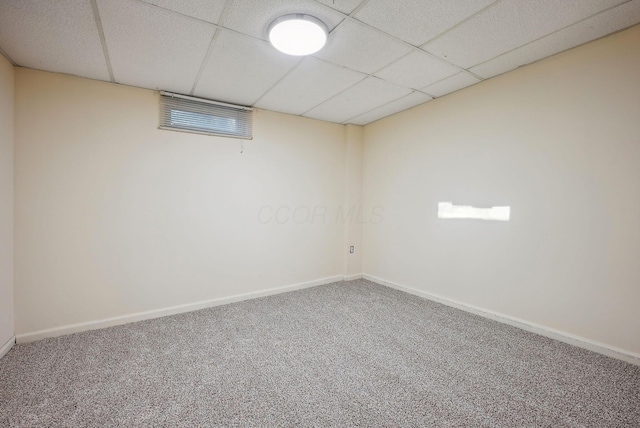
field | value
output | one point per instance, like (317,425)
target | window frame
(184,104)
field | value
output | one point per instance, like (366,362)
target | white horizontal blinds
(187,114)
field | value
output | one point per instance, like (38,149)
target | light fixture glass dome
(298,34)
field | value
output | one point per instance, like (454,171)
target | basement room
(319,213)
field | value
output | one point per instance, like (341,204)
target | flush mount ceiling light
(298,34)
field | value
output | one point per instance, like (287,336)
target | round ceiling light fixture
(298,34)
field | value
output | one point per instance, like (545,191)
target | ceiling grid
(103,41)
(381,57)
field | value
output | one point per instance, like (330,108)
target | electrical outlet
(352,249)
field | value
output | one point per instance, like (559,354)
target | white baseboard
(353,277)
(571,339)
(157,313)
(7,346)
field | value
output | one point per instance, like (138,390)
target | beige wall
(353,213)
(115,217)
(559,142)
(6,200)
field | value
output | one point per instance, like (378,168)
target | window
(190,114)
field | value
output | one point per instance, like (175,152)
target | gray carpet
(344,354)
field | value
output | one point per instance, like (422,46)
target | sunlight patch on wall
(448,210)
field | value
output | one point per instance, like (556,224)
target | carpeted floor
(344,354)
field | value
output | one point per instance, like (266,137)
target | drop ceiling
(381,57)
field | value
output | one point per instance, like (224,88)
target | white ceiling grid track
(381,57)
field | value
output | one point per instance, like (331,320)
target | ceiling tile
(508,25)
(345,6)
(241,69)
(253,17)
(451,84)
(206,10)
(418,21)
(404,103)
(360,48)
(153,48)
(417,70)
(364,96)
(590,29)
(311,83)
(59,36)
